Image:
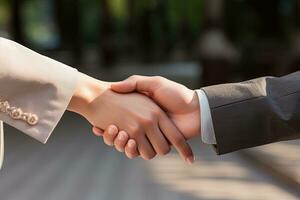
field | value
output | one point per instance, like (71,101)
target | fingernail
(121,136)
(190,160)
(131,144)
(111,131)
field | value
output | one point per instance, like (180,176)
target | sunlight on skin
(214,180)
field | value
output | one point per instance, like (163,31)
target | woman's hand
(144,121)
(120,139)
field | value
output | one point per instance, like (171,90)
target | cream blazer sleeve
(34,91)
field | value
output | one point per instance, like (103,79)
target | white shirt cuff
(207,128)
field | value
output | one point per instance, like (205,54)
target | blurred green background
(240,38)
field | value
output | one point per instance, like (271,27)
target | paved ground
(75,165)
(282,159)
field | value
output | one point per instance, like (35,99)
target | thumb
(97,131)
(124,86)
(137,83)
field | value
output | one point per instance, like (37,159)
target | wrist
(86,91)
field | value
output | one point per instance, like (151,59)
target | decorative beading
(18,114)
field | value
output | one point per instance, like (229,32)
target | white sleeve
(207,128)
(34,90)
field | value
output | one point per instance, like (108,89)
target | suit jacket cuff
(254,112)
(35,84)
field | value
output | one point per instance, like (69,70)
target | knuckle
(147,121)
(133,77)
(134,129)
(108,138)
(130,155)
(116,144)
(156,112)
(149,155)
(165,150)
(144,157)
(158,78)
(120,149)
(96,134)
(108,143)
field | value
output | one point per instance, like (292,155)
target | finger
(176,139)
(139,83)
(110,134)
(146,150)
(131,150)
(121,141)
(158,141)
(97,131)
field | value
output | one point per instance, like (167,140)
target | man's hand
(180,103)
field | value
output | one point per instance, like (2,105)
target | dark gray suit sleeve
(255,112)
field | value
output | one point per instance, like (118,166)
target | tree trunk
(67,17)
(107,47)
(16,21)
(216,54)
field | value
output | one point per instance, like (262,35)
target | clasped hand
(153,114)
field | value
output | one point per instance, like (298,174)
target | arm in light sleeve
(34,90)
(1,144)
(207,128)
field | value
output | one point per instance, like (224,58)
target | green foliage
(89,19)
(118,9)
(39,29)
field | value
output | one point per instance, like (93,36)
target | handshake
(140,115)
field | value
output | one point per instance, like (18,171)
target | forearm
(255,112)
(36,85)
